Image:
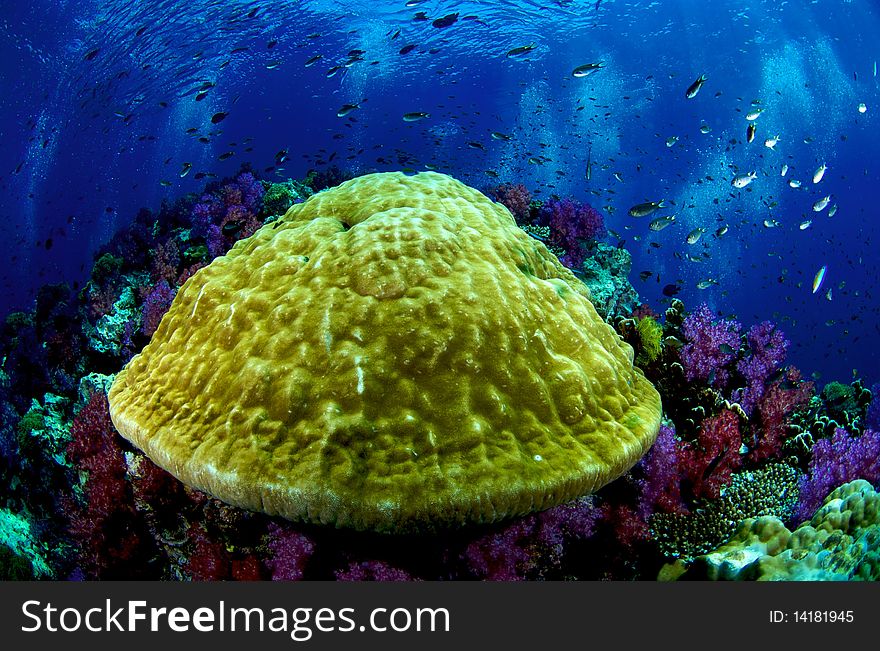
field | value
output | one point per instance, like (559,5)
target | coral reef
(279,197)
(767,346)
(840,459)
(746,452)
(769,491)
(606,272)
(479,445)
(573,227)
(711,345)
(517,199)
(840,542)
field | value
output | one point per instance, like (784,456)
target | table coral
(393,354)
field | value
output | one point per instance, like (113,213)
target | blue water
(97,98)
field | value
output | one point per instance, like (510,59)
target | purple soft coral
(711,346)
(767,348)
(531,546)
(235,206)
(156,304)
(290,552)
(571,224)
(660,490)
(840,459)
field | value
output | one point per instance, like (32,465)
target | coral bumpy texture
(393,354)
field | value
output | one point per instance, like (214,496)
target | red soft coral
(780,399)
(709,462)
(111,535)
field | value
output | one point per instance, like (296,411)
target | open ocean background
(102,102)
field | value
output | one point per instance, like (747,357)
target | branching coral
(769,491)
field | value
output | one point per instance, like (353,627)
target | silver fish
(661,222)
(587,69)
(742,180)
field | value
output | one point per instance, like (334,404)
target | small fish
(770,223)
(705,128)
(832,210)
(784,170)
(671,290)
(770,143)
(90,56)
(706,284)
(523,49)
(862,107)
(218,117)
(587,69)
(822,203)
(225,155)
(476,145)
(415,115)
(671,140)
(804,225)
(345,109)
(446,21)
(272,65)
(794,183)
(695,87)
(645,209)
(819,173)
(694,236)
(727,349)
(819,278)
(280,157)
(185,169)
(496,135)
(750,132)
(314,60)
(661,222)
(413,3)
(751,116)
(644,275)
(722,230)
(828,294)
(406,49)
(742,180)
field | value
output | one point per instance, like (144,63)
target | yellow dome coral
(394,354)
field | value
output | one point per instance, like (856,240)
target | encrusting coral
(393,354)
